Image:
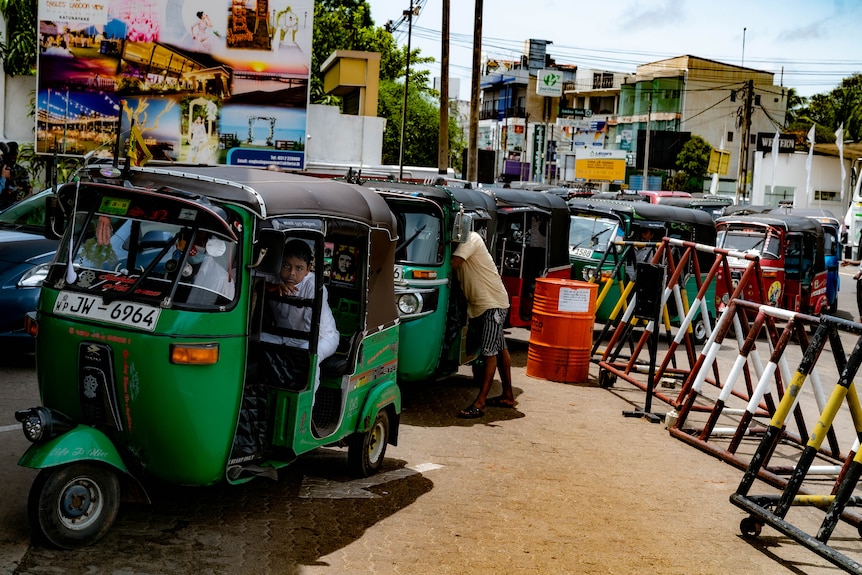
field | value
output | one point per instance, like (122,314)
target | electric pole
(443,140)
(742,168)
(473,149)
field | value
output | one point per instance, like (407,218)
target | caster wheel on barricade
(750,527)
(606,379)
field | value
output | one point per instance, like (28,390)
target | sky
(809,45)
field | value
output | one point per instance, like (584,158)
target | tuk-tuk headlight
(725,299)
(34,276)
(409,303)
(40,423)
(588,273)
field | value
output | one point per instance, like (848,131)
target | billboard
(201,81)
(600,165)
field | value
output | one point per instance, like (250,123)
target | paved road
(562,484)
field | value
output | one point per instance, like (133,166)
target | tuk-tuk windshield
(156,262)
(594,233)
(761,241)
(830,242)
(419,234)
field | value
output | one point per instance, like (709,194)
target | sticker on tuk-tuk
(115,206)
(774,293)
(123,313)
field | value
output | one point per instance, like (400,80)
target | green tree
(692,163)
(795,103)
(347,25)
(18,47)
(842,105)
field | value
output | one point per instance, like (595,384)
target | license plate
(123,313)
(582,253)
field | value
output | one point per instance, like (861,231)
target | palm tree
(795,105)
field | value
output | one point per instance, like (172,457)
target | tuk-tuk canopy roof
(526,198)
(694,202)
(266,193)
(790,223)
(473,200)
(823,216)
(644,211)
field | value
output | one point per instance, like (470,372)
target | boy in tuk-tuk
(291,317)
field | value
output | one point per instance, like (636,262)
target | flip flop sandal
(499,401)
(471,412)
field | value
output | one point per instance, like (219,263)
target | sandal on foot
(471,412)
(500,401)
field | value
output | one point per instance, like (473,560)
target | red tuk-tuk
(791,257)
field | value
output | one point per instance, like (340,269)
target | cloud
(654,14)
(817,30)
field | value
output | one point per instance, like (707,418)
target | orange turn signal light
(424,274)
(31,326)
(194,353)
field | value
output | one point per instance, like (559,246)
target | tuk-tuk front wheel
(74,505)
(365,451)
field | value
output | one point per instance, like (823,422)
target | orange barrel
(561,333)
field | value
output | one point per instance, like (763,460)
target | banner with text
(600,165)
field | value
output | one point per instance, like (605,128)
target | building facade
(724,104)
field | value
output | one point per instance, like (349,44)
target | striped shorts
(489,329)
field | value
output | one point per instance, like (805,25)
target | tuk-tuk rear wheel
(74,505)
(365,451)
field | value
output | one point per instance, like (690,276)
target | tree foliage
(842,105)
(347,25)
(19,46)
(692,163)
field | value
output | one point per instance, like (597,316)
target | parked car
(25,255)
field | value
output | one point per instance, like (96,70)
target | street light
(413,11)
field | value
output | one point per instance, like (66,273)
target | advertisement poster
(197,81)
(582,133)
(600,165)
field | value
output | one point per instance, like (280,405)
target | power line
(793,72)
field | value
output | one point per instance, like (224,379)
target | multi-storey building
(725,104)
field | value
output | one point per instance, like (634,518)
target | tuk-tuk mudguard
(83,443)
(381,397)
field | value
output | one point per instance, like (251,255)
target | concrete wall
(791,172)
(336,138)
(18,122)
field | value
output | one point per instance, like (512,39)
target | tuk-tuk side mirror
(461,226)
(268,250)
(55,221)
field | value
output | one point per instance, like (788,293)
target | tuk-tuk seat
(339,362)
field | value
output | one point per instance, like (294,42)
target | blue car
(25,255)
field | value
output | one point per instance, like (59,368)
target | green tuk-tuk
(431,309)
(603,249)
(150,358)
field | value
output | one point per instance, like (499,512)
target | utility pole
(414,10)
(443,140)
(644,186)
(473,149)
(742,168)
